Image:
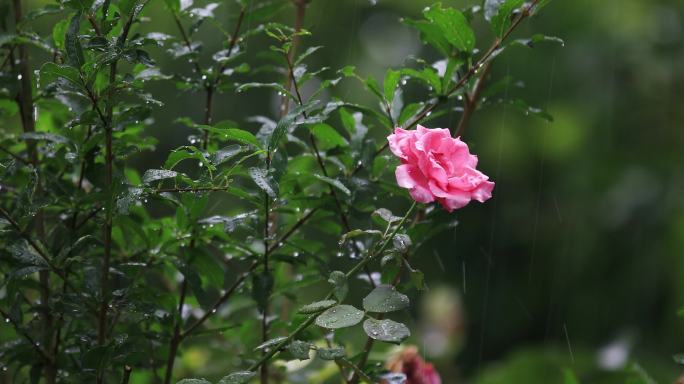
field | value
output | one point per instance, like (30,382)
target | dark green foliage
(125,267)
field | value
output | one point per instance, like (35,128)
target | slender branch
(14,155)
(186,40)
(264,314)
(109,172)
(361,264)
(176,338)
(226,295)
(126,374)
(470,100)
(46,356)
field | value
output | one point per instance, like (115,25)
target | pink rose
(417,371)
(435,166)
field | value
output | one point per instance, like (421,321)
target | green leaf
(453,25)
(384,299)
(205,265)
(275,86)
(261,178)
(72,44)
(299,349)
(499,12)
(50,72)
(431,34)
(234,134)
(428,75)
(386,330)
(193,381)
(330,353)
(335,183)
(390,83)
(536,39)
(339,282)
(339,316)
(318,306)
(401,242)
(386,215)
(241,377)
(157,174)
(328,137)
(287,122)
(59,32)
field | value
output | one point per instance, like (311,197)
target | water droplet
(19,77)
(7,320)
(204,77)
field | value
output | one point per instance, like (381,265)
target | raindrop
(204,77)
(19,77)
(7,320)
(296,254)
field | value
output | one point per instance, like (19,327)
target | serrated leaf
(339,282)
(335,183)
(339,316)
(72,44)
(317,306)
(453,25)
(384,299)
(260,177)
(390,83)
(241,377)
(500,12)
(386,330)
(328,137)
(431,34)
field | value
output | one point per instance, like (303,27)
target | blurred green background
(576,263)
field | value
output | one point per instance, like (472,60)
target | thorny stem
(46,356)
(361,264)
(526,12)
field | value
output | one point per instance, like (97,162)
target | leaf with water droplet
(386,215)
(261,178)
(385,298)
(241,377)
(453,26)
(339,316)
(157,174)
(335,183)
(498,13)
(317,306)
(193,381)
(299,349)
(386,330)
(330,353)
(339,281)
(401,242)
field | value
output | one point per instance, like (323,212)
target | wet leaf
(299,349)
(339,316)
(261,178)
(157,174)
(453,26)
(241,377)
(330,353)
(270,343)
(339,281)
(386,330)
(385,298)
